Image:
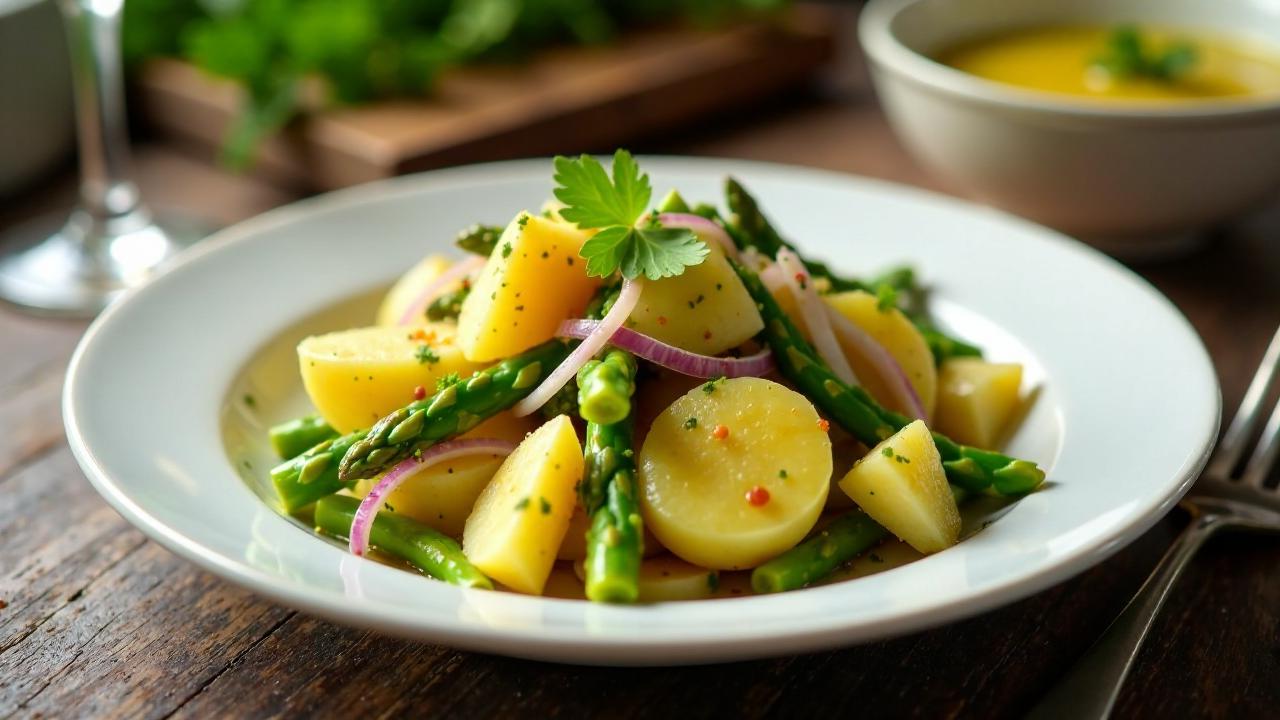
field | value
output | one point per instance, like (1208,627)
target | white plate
(1127,411)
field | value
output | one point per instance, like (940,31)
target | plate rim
(589,648)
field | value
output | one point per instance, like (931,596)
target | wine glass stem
(107,190)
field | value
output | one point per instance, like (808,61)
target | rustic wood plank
(31,418)
(561,100)
(977,668)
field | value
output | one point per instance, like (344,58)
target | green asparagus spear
(317,472)
(479,239)
(291,439)
(450,412)
(749,227)
(433,553)
(815,558)
(605,387)
(608,491)
(564,402)
(861,416)
(843,539)
(313,474)
(745,215)
(448,305)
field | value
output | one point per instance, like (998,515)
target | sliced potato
(406,291)
(977,399)
(534,280)
(354,377)
(521,516)
(899,336)
(902,486)
(442,495)
(704,310)
(694,485)
(667,578)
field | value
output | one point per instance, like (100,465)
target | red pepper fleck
(419,393)
(662,319)
(758,496)
(801,278)
(824,425)
(720,432)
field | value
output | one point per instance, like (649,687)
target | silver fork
(1220,499)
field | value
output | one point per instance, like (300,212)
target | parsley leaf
(592,200)
(613,206)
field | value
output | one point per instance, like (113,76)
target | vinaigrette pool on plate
(268,390)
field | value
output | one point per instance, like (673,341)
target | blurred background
(246,104)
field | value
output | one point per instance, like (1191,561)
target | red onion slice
(395,477)
(886,366)
(674,358)
(592,344)
(451,275)
(813,312)
(702,226)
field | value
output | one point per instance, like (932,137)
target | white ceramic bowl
(155,408)
(1130,177)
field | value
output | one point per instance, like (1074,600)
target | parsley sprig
(612,207)
(1131,54)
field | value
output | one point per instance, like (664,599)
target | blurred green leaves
(363,50)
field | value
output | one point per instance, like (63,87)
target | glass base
(78,269)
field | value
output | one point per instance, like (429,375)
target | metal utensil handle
(97,75)
(1090,688)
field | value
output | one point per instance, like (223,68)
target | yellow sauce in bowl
(1064,60)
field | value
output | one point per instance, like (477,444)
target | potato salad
(632,401)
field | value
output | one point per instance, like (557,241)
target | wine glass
(111,241)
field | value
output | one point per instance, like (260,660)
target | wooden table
(97,620)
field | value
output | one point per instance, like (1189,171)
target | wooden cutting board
(564,100)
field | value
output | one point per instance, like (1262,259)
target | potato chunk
(977,399)
(409,287)
(704,310)
(902,486)
(720,444)
(442,496)
(521,516)
(354,377)
(534,280)
(899,336)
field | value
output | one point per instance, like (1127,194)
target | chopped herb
(389,507)
(709,386)
(425,355)
(903,459)
(875,558)
(544,505)
(524,220)
(691,423)
(593,200)
(506,250)
(887,451)
(249,400)
(713,581)
(447,381)
(782,474)
(524,503)
(886,298)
